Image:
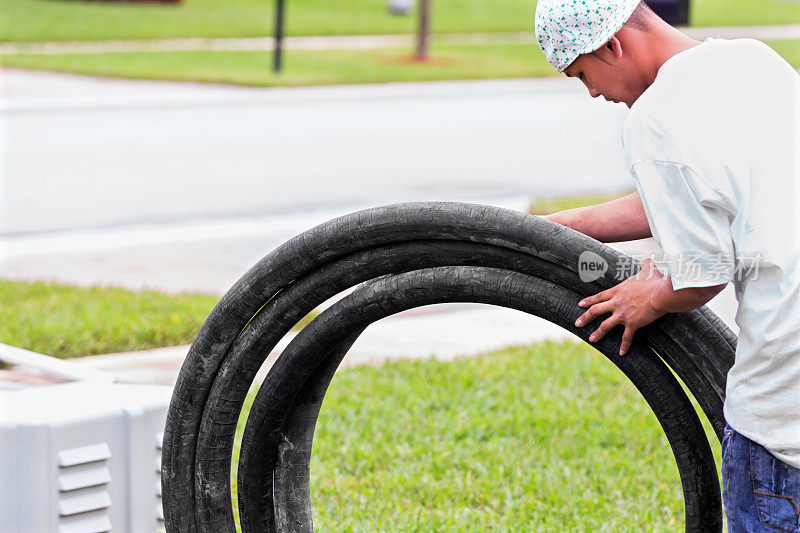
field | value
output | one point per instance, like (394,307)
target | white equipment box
(82,457)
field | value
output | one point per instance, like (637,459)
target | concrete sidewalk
(349,42)
(443,331)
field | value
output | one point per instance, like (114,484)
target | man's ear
(612,50)
(615,47)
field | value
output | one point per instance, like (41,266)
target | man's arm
(638,301)
(622,219)
(683,223)
(667,300)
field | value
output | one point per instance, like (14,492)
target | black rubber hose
(243,361)
(350,250)
(321,345)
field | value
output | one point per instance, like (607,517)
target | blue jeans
(760,492)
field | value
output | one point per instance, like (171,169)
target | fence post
(423,30)
(277,57)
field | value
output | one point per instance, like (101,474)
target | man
(712,144)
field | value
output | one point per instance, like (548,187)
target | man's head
(614,47)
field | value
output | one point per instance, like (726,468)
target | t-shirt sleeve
(686,219)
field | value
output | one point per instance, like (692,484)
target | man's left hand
(629,304)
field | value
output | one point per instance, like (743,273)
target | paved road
(205,256)
(82,152)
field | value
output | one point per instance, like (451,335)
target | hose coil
(399,257)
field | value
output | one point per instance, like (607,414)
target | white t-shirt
(714,148)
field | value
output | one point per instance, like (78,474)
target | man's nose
(592,91)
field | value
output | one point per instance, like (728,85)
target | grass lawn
(449,62)
(302,67)
(545,206)
(548,437)
(789,49)
(56,20)
(66,321)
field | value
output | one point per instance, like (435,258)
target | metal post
(277,58)
(423,29)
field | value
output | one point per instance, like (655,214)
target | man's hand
(639,300)
(629,304)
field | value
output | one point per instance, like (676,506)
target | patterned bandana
(566,29)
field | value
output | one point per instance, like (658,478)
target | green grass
(546,206)
(66,321)
(743,12)
(789,49)
(548,437)
(449,62)
(303,67)
(55,20)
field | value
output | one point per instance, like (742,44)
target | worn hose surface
(399,257)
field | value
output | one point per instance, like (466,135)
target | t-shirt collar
(669,61)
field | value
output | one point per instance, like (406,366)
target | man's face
(604,74)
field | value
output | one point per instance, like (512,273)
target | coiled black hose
(402,256)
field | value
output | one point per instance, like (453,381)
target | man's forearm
(667,300)
(622,219)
